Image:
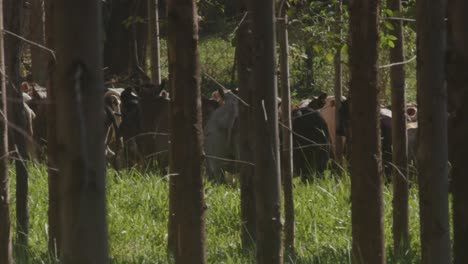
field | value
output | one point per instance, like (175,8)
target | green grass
(138,211)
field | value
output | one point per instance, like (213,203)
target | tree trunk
(287,146)
(432,150)
(457,125)
(53,179)
(6,255)
(338,85)
(366,155)
(267,180)
(399,139)
(80,131)
(244,54)
(125,39)
(16,111)
(186,132)
(37,32)
(153,18)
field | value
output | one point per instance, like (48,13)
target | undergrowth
(137,205)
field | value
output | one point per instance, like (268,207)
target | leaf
(389,25)
(389,12)
(344,49)
(330,57)
(391,44)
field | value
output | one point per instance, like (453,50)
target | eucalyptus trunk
(244,57)
(52,170)
(286,125)
(399,138)
(80,131)
(186,132)
(6,255)
(432,153)
(457,125)
(366,156)
(267,180)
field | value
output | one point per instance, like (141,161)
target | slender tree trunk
(80,131)
(399,139)
(37,32)
(13,13)
(244,55)
(186,132)
(457,125)
(366,155)
(153,18)
(267,164)
(287,146)
(338,85)
(52,169)
(432,150)
(6,255)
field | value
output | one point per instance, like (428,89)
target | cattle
(326,105)
(222,136)
(385,118)
(113,141)
(145,125)
(311,142)
(35,97)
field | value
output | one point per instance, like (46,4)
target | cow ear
(322,97)
(411,111)
(25,87)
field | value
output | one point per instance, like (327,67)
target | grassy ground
(138,210)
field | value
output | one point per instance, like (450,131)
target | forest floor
(137,205)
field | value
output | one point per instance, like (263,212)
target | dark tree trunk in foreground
(366,156)
(287,146)
(244,57)
(457,125)
(6,255)
(80,131)
(432,153)
(126,37)
(186,132)
(153,18)
(399,138)
(52,170)
(13,13)
(266,155)
(37,32)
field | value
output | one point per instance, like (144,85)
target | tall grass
(137,205)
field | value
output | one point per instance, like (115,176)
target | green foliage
(131,20)
(137,205)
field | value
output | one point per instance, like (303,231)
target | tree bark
(124,49)
(6,255)
(366,155)
(399,138)
(37,32)
(186,132)
(13,13)
(267,180)
(153,18)
(287,146)
(244,54)
(432,150)
(457,125)
(52,170)
(338,85)
(80,131)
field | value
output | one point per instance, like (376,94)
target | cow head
(318,101)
